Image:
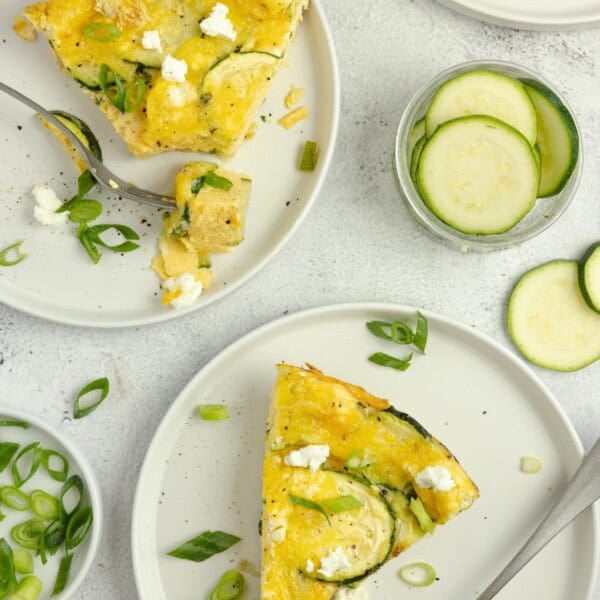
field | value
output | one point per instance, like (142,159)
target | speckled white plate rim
(151,456)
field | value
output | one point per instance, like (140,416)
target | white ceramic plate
(48,438)
(471,393)
(57,281)
(531,14)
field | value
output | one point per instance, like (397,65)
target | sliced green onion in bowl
(78,526)
(29,533)
(7,451)
(31,452)
(8,579)
(213,412)
(63,574)
(44,505)
(14,498)
(46,458)
(52,538)
(531,465)
(23,561)
(29,588)
(13,423)
(12,250)
(230,586)
(102,32)
(74,482)
(419,574)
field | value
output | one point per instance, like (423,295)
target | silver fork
(98,170)
(581,492)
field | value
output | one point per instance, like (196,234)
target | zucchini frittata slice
(209,102)
(349,482)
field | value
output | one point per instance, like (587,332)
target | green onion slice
(102,385)
(197,184)
(93,235)
(205,545)
(358,459)
(419,574)
(29,588)
(531,465)
(385,360)
(134,94)
(213,412)
(47,456)
(230,586)
(23,561)
(78,526)
(420,340)
(425,521)
(73,482)
(52,538)
(396,331)
(218,182)
(29,533)
(112,86)
(310,504)
(31,452)
(102,32)
(11,423)
(342,504)
(310,154)
(63,574)
(7,451)
(14,498)
(8,579)
(12,250)
(44,505)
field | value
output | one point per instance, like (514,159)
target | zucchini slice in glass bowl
(522,101)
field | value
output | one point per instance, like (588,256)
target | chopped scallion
(101,385)
(213,412)
(418,574)
(358,459)
(425,521)
(112,86)
(53,537)
(204,546)
(63,574)
(23,561)
(8,578)
(78,526)
(14,498)
(385,360)
(230,586)
(12,423)
(134,94)
(7,451)
(310,154)
(31,452)
(310,504)
(531,465)
(74,482)
(420,340)
(342,504)
(197,184)
(44,505)
(9,251)
(29,533)
(29,588)
(218,182)
(48,456)
(102,32)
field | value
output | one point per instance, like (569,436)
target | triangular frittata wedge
(330,522)
(209,102)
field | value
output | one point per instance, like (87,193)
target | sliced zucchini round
(81,130)
(415,156)
(478,175)
(549,321)
(415,134)
(482,92)
(589,277)
(364,535)
(557,138)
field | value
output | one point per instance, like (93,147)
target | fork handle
(581,492)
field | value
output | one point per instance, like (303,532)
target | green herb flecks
(310,504)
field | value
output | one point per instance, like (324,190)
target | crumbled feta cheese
(174,69)
(438,478)
(277,530)
(335,561)
(217,24)
(186,290)
(348,594)
(310,566)
(47,203)
(180,94)
(106,8)
(151,40)
(310,456)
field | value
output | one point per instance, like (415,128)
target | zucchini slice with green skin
(366,535)
(81,130)
(549,321)
(478,174)
(415,134)
(482,92)
(415,157)
(589,277)
(557,138)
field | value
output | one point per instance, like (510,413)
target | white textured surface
(357,244)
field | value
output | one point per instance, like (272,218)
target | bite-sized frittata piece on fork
(349,482)
(172,74)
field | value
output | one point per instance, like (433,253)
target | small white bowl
(49,438)
(546,210)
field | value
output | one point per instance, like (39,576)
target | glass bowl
(545,211)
